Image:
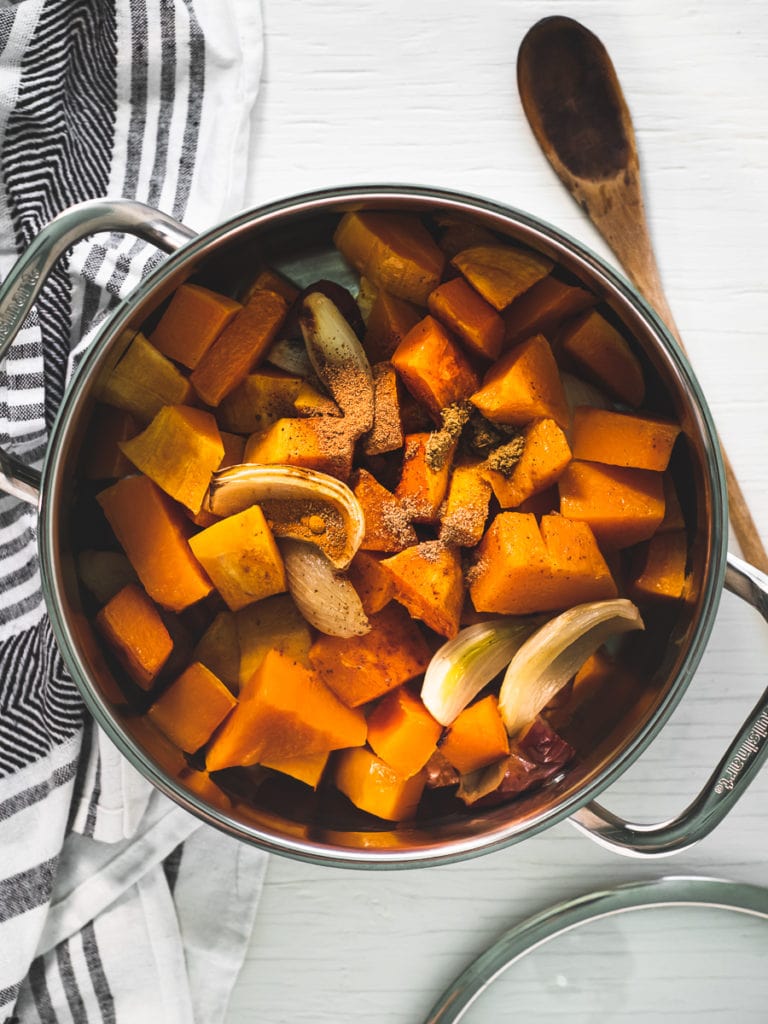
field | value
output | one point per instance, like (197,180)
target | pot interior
(285,815)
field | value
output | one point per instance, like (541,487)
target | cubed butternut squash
(543,308)
(501,272)
(133,628)
(218,649)
(191,708)
(373,584)
(179,451)
(476,323)
(259,400)
(311,402)
(241,558)
(622,506)
(433,367)
(234,448)
(545,455)
(602,354)
(239,347)
(143,381)
(389,321)
(360,669)
(153,533)
(622,439)
(524,568)
(673,512)
(284,711)
(429,583)
(307,769)
(421,488)
(402,732)
(193,320)
(322,443)
(270,280)
(658,568)
(387,525)
(462,520)
(374,787)
(386,434)
(523,385)
(103,459)
(394,250)
(477,737)
(272,624)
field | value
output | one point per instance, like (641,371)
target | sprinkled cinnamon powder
(504,458)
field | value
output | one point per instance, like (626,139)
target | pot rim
(540,235)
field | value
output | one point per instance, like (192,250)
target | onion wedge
(325,598)
(464,665)
(339,360)
(299,503)
(548,659)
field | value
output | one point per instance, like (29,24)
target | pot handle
(23,283)
(736,770)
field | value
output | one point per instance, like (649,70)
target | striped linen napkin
(115,905)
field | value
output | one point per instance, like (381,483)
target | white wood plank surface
(425,92)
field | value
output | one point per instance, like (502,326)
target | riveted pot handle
(23,283)
(738,767)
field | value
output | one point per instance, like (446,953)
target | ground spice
(440,443)
(504,458)
(310,520)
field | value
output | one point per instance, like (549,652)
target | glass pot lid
(669,950)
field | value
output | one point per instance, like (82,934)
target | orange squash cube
(545,456)
(523,385)
(393,250)
(218,649)
(543,308)
(234,448)
(433,367)
(374,787)
(622,439)
(463,517)
(132,626)
(360,669)
(103,459)
(386,434)
(153,533)
(604,356)
(179,451)
(270,280)
(322,443)
(476,738)
(429,582)
(259,400)
(194,319)
(421,489)
(311,402)
(241,557)
(143,381)
(402,732)
(272,624)
(284,711)
(673,513)
(239,347)
(659,567)
(387,526)
(622,506)
(468,316)
(388,323)
(524,568)
(192,707)
(308,769)
(373,584)
(501,272)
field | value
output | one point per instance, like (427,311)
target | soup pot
(295,236)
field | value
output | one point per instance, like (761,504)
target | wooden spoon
(575,106)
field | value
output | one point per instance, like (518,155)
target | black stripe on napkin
(69,983)
(98,977)
(27,890)
(28,797)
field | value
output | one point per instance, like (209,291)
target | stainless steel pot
(295,235)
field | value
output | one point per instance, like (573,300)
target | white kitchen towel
(115,905)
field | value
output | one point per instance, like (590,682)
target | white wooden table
(425,92)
